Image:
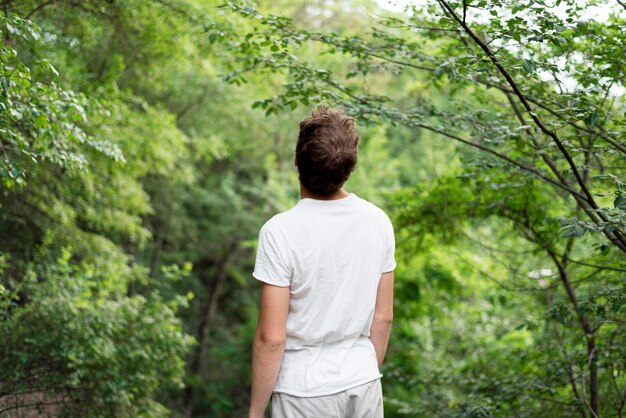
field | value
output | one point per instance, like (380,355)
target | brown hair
(326,152)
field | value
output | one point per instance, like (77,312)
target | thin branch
(497,281)
(496,249)
(193,103)
(317,37)
(582,263)
(431,29)
(39,7)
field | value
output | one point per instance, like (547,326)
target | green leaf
(591,119)
(579,231)
(41,121)
(620,202)
(529,66)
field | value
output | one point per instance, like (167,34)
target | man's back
(331,253)
(326,303)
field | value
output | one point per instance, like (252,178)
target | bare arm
(383,316)
(269,346)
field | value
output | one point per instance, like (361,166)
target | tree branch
(568,361)
(192,103)
(39,7)
(76,4)
(579,179)
(592,354)
(553,112)
(582,263)
(502,156)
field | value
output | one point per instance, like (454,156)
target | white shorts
(364,401)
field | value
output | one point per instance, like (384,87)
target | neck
(306,193)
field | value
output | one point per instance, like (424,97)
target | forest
(145,143)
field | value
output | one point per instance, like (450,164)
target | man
(327,294)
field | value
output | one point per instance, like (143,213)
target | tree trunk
(156,255)
(209,310)
(6,38)
(593,376)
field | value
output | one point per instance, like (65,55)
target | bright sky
(599,13)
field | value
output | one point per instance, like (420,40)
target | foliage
(145,143)
(40,120)
(81,348)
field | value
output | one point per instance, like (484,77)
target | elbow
(273,342)
(384,319)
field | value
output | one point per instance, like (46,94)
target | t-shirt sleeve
(389,263)
(271,265)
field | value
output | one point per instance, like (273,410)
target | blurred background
(144,144)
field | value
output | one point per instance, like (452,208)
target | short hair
(326,152)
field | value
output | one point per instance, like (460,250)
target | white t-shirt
(331,254)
